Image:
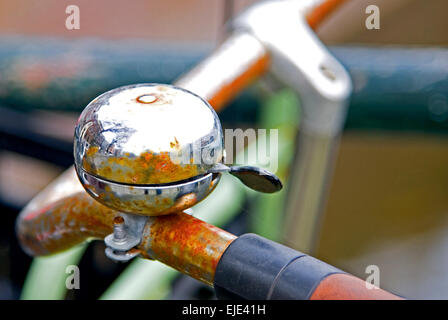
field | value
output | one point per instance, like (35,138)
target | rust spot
(187,244)
(118,220)
(162,88)
(147,168)
(139,251)
(179,240)
(156,207)
(63,224)
(175,144)
(147,98)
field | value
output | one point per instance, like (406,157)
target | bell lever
(258,179)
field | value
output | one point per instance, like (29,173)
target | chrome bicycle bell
(154,149)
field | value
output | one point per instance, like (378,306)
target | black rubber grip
(256,268)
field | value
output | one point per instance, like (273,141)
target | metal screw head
(119,231)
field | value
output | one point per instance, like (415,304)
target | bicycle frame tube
(323,86)
(216,81)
